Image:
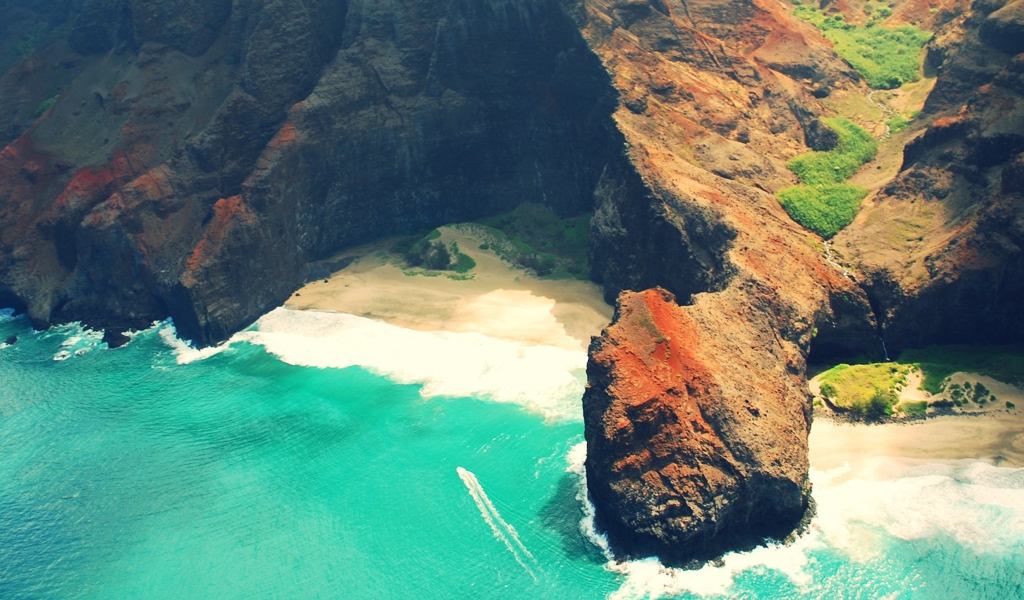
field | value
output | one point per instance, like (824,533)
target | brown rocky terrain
(172,158)
(938,248)
(685,459)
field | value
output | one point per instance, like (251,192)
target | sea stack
(696,444)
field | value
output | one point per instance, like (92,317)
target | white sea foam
(502,530)
(78,341)
(577,459)
(545,379)
(184,352)
(6,314)
(979,505)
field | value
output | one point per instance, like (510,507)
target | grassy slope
(869,390)
(824,203)
(886,57)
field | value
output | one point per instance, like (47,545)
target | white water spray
(502,530)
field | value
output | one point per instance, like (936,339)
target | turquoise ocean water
(327,456)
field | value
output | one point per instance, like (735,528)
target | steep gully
(197,162)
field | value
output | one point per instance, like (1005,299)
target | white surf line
(493,519)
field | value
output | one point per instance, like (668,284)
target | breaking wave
(545,379)
(860,517)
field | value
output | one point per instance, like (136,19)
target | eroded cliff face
(199,155)
(940,246)
(186,159)
(697,415)
(685,459)
(662,430)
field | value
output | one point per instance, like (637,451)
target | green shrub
(825,209)
(44,106)
(917,409)
(879,406)
(33,35)
(854,148)
(426,253)
(436,256)
(898,123)
(886,57)
(1010,405)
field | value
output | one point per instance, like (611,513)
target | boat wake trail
(502,530)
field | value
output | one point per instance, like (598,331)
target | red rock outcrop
(697,441)
(697,415)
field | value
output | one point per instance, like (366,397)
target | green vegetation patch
(34,34)
(887,57)
(463,263)
(963,395)
(915,409)
(823,203)
(825,209)
(44,106)
(855,147)
(900,122)
(937,363)
(533,237)
(870,391)
(429,252)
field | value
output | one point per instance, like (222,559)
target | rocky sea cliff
(168,159)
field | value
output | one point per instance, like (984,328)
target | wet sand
(498,301)
(996,437)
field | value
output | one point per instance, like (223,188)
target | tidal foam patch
(545,379)
(861,511)
(185,353)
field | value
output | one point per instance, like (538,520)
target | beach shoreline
(995,437)
(501,301)
(494,298)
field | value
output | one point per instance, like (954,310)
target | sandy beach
(498,300)
(991,433)
(508,303)
(996,437)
